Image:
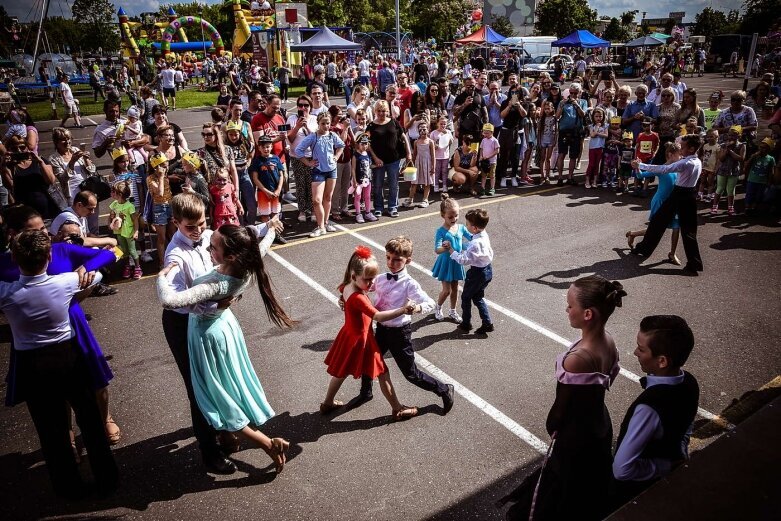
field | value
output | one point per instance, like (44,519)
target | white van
(534,45)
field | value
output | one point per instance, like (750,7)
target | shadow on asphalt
(769,241)
(153,470)
(625,267)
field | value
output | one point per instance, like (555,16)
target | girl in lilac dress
(575,480)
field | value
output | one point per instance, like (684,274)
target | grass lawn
(188,98)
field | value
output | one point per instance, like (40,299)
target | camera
(300,113)
(20,156)
(605,74)
(283,128)
(74,238)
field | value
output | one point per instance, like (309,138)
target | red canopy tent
(484,35)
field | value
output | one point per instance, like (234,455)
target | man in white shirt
(168,83)
(51,373)
(392,290)
(364,66)
(105,136)
(84,205)
(682,202)
(70,103)
(478,255)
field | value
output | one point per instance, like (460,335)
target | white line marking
(91,120)
(523,320)
(470,396)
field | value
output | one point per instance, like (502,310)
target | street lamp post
(398,33)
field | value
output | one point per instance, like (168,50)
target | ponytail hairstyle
(360,261)
(671,148)
(242,243)
(600,294)
(447,204)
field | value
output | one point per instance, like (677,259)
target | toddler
(123,220)
(423,156)
(442,138)
(133,132)
(596,144)
(710,160)
(489,153)
(731,157)
(224,200)
(612,151)
(361,183)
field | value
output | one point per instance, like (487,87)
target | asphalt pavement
(359,465)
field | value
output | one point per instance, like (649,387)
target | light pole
(398,33)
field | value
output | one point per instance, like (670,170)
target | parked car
(545,63)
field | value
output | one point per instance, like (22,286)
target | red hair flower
(363,252)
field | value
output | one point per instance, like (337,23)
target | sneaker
(146,257)
(329,227)
(424,203)
(103,290)
(453,315)
(516,182)
(588,184)
(438,312)
(313,218)
(126,272)
(714,210)
(503,182)
(527,180)
(378,213)
(302,217)
(436,189)
(394,212)
(604,184)
(408,203)
(485,328)
(490,192)
(137,273)
(370,217)
(731,210)
(317,233)
(359,218)
(289,198)
(577,164)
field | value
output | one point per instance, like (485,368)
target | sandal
(673,258)
(405,413)
(74,448)
(630,240)
(277,452)
(113,434)
(326,408)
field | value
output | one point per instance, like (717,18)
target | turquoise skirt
(227,389)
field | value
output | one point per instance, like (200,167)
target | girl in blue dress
(226,387)
(446,270)
(666,183)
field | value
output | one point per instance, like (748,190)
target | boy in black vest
(654,436)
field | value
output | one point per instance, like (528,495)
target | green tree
(326,12)
(669,25)
(628,17)
(760,17)
(709,22)
(561,17)
(98,21)
(615,32)
(439,18)
(503,26)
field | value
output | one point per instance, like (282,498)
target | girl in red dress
(354,351)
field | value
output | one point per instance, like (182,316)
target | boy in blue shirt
(268,176)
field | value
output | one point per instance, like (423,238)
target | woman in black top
(28,178)
(160,119)
(387,146)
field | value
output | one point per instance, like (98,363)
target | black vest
(676,406)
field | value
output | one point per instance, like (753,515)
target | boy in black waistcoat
(654,436)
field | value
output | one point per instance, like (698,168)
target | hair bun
(617,294)
(445,196)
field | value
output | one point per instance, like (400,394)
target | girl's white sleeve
(171,299)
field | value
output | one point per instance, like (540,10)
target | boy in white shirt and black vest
(51,372)
(654,436)
(478,255)
(392,290)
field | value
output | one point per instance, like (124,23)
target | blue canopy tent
(483,36)
(581,38)
(325,40)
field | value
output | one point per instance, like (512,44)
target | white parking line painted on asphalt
(522,320)
(491,411)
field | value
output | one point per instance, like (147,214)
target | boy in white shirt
(71,104)
(478,255)
(391,290)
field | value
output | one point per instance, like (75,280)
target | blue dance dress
(446,269)
(227,389)
(666,184)
(66,258)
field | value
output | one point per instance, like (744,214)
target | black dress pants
(508,153)
(682,201)
(50,378)
(175,329)
(398,340)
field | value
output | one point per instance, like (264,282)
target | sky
(656,9)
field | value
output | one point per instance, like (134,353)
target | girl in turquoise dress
(227,389)
(446,270)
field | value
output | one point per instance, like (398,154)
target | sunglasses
(304,105)
(207,134)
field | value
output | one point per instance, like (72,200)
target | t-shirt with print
(646,144)
(489,146)
(710,156)
(710,117)
(125,212)
(363,166)
(761,169)
(268,169)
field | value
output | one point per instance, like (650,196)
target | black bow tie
(197,243)
(643,382)
(394,276)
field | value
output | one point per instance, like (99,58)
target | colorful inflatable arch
(182,21)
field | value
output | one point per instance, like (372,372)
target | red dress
(355,351)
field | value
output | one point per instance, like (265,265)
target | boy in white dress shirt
(478,255)
(51,371)
(189,248)
(392,290)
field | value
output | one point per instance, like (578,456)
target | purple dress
(66,258)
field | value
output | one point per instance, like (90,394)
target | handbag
(97,186)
